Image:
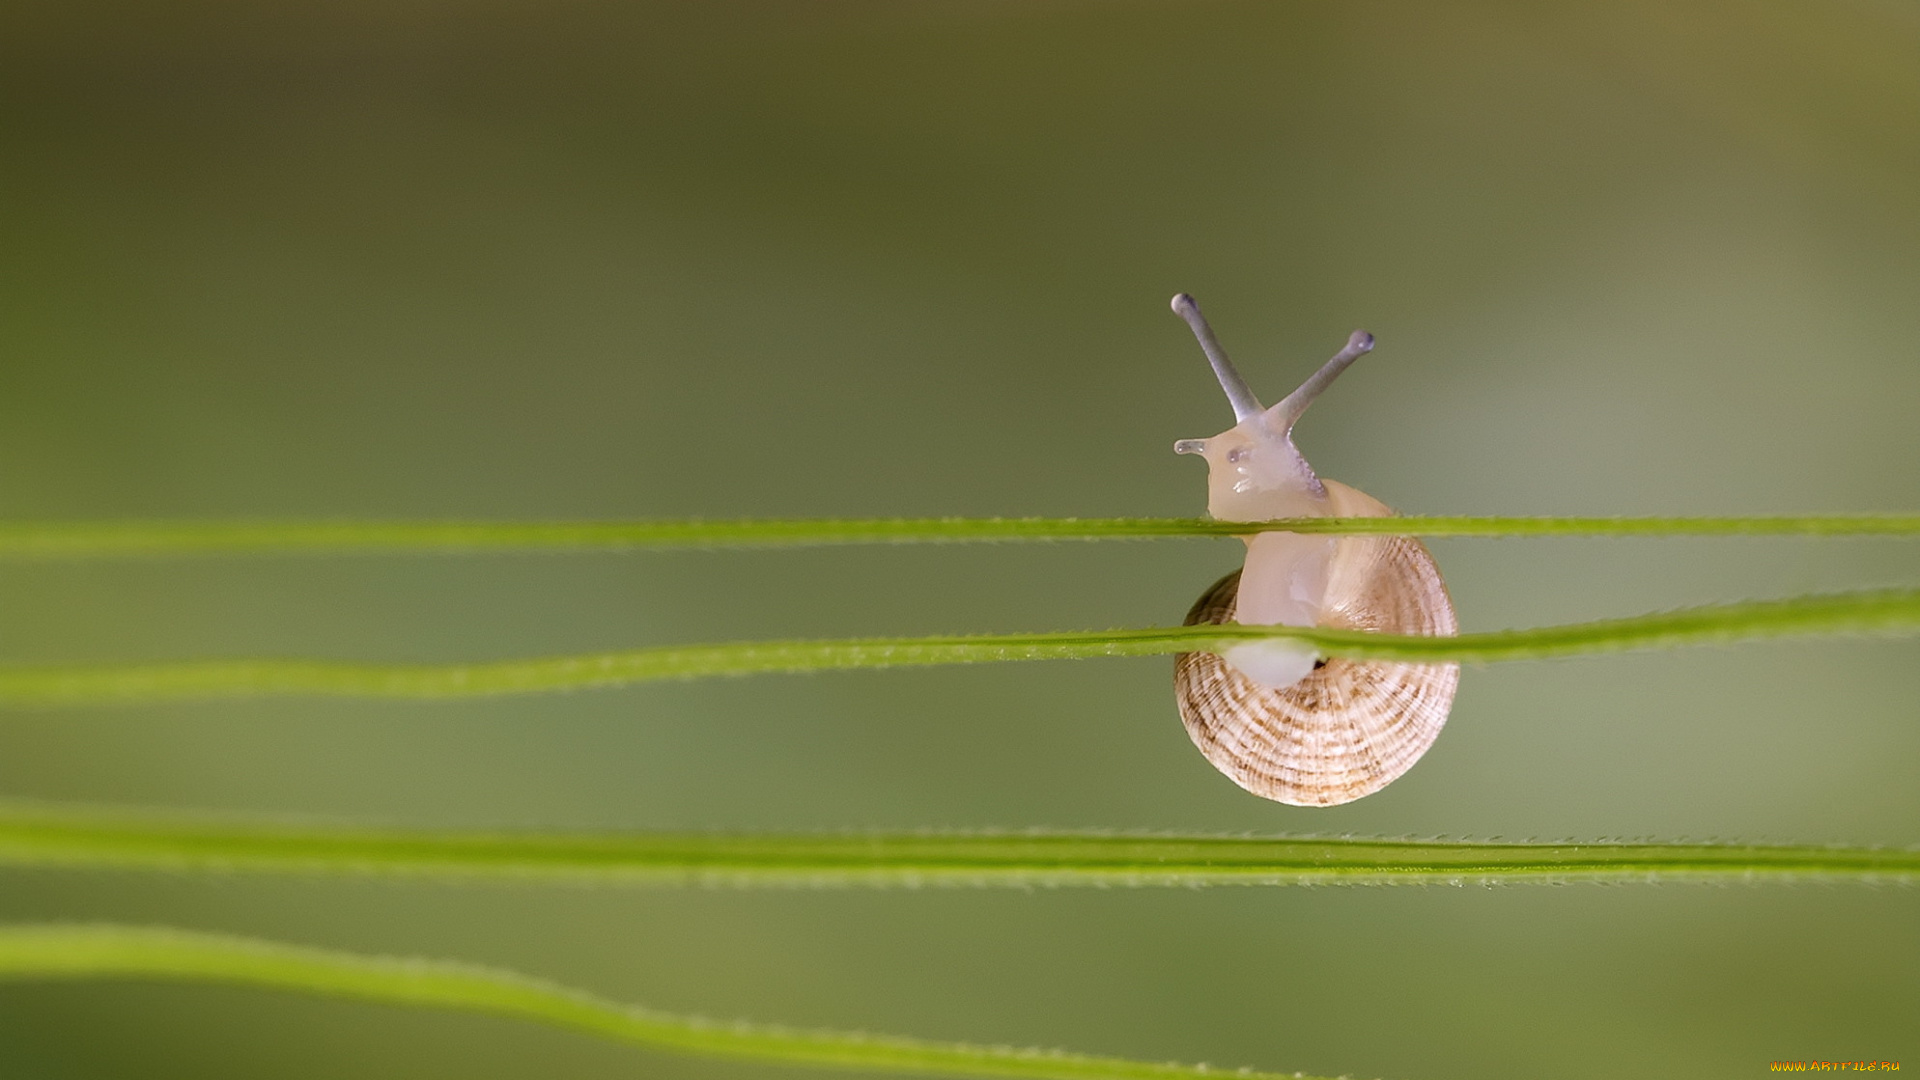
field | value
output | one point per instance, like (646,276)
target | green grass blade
(119,539)
(1879,612)
(39,836)
(125,952)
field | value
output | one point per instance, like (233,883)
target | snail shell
(1278,721)
(1350,727)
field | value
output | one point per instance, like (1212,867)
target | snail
(1279,720)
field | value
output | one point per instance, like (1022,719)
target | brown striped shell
(1352,726)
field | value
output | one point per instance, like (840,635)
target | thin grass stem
(120,539)
(67,952)
(1895,611)
(96,839)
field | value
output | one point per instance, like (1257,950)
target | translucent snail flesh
(1279,720)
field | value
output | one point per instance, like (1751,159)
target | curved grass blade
(33,836)
(127,952)
(119,539)
(1878,612)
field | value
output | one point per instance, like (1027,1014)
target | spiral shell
(1352,726)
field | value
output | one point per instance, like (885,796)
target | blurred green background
(529,260)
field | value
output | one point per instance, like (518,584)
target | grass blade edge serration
(39,835)
(123,539)
(1869,612)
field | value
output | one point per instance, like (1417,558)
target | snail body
(1276,718)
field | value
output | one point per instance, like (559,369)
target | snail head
(1254,472)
